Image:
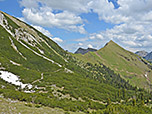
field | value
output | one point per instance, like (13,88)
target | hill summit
(129,65)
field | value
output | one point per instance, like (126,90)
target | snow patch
(14,63)
(13,79)
(4,24)
(68,71)
(2,68)
(29,91)
(40,54)
(146,75)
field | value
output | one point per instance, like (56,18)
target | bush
(37,106)
(28,104)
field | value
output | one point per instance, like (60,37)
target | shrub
(37,105)
(28,104)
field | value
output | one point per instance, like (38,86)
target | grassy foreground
(8,106)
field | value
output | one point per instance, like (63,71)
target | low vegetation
(68,84)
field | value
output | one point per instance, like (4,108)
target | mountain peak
(111,42)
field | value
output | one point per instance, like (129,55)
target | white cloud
(56,39)
(56,13)
(99,36)
(92,37)
(29,3)
(45,32)
(46,18)
(90,46)
(132,36)
(129,10)
(80,44)
(76,6)
(21,18)
(132,19)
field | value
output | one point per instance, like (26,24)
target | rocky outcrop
(141,53)
(149,56)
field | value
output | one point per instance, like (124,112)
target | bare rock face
(84,51)
(149,56)
(141,53)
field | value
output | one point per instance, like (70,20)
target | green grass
(125,63)
(14,107)
(85,84)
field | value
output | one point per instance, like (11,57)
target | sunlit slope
(37,60)
(127,64)
(25,51)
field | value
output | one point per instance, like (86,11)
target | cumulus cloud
(128,10)
(132,19)
(47,18)
(56,39)
(29,3)
(80,44)
(75,6)
(55,13)
(99,36)
(21,18)
(44,31)
(47,33)
(133,29)
(90,46)
(132,36)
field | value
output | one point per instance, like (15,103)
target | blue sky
(88,23)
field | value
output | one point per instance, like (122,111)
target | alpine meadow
(38,76)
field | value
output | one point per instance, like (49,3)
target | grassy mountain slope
(39,61)
(25,108)
(56,77)
(127,64)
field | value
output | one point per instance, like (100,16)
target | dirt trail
(98,55)
(38,79)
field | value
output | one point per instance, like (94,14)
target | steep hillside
(130,66)
(26,52)
(34,69)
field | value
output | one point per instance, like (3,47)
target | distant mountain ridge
(141,53)
(127,64)
(149,56)
(37,71)
(84,51)
(145,55)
